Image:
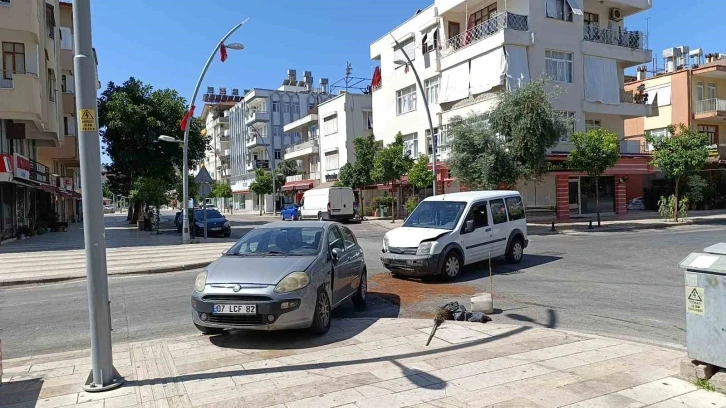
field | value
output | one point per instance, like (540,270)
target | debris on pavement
(456,312)
(442,314)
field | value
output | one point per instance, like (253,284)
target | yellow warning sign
(87,120)
(695,301)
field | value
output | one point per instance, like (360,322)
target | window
(50,20)
(4,2)
(478,213)
(350,241)
(13,59)
(431,87)
(367,120)
(406,100)
(429,145)
(286,107)
(276,131)
(311,105)
(559,66)
(711,90)
(592,124)
(66,38)
(569,116)
(331,160)
(335,240)
(662,132)
(699,91)
(330,125)
(410,145)
(436,214)
(278,154)
(296,108)
(558,9)
(711,131)
(483,15)
(515,208)
(409,46)
(64,88)
(275,106)
(591,19)
(65,125)
(499,212)
(51,86)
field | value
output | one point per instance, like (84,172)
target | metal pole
(272,165)
(204,208)
(185,165)
(103,375)
(428,112)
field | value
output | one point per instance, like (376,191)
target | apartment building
(256,131)
(469,51)
(691,89)
(326,144)
(39,167)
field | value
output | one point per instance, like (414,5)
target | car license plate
(235,309)
(216,229)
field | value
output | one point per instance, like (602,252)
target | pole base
(116,382)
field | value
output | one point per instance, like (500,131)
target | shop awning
(49,189)
(298,185)
(76,195)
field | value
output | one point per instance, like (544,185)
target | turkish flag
(187,116)
(222,52)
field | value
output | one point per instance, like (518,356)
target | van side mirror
(469,226)
(337,253)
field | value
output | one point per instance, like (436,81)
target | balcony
(220,120)
(302,149)
(501,22)
(256,141)
(257,116)
(225,153)
(224,135)
(20,96)
(629,106)
(633,147)
(709,108)
(616,43)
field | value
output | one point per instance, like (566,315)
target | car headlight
(424,248)
(385,243)
(201,281)
(292,282)
(226,224)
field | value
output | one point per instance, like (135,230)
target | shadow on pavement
(551,319)
(22,392)
(501,267)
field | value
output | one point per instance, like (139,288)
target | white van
(333,203)
(446,232)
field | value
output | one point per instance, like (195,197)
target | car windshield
(199,214)
(284,241)
(436,214)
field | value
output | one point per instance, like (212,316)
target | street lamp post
(409,63)
(185,165)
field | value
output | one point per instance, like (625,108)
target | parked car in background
(446,232)
(281,276)
(217,224)
(109,209)
(333,203)
(290,212)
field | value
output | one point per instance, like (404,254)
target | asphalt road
(624,284)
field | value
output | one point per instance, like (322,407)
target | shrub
(411,204)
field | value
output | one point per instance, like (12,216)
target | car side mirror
(469,226)
(337,253)
(225,252)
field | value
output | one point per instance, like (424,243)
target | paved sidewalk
(369,363)
(60,256)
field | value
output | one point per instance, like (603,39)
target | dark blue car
(217,224)
(290,212)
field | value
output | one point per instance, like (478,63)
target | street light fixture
(165,138)
(235,46)
(408,62)
(188,124)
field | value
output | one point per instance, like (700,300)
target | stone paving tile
(608,401)
(659,390)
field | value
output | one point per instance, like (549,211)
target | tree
(150,191)
(106,191)
(358,174)
(420,176)
(221,189)
(594,152)
(131,117)
(509,142)
(262,185)
(285,168)
(193,187)
(678,156)
(391,164)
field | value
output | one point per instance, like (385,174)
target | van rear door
(335,200)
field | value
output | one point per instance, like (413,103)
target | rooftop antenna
(350,82)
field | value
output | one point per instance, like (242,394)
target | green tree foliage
(221,189)
(679,156)
(131,117)
(358,174)
(262,185)
(151,191)
(510,141)
(420,176)
(106,191)
(391,164)
(285,168)
(193,190)
(594,152)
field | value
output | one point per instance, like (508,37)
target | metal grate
(630,39)
(402,250)
(486,29)
(237,320)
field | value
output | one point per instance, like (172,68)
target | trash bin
(382,211)
(705,296)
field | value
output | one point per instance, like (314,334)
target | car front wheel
(451,267)
(322,316)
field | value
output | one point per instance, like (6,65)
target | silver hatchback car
(281,276)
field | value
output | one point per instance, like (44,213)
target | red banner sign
(22,167)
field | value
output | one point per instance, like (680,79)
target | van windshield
(436,214)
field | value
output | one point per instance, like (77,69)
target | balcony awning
(301,123)
(49,189)
(298,185)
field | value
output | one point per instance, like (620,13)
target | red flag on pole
(187,116)
(222,52)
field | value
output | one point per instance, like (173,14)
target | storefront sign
(68,183)
(38,172)
(6,163)
(331,177)
(22,167)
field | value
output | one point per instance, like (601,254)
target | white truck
(332,203)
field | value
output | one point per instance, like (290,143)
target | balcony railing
(623,38)
(499,22)
(6,80)
(633,147)
(710,106)
(302,146)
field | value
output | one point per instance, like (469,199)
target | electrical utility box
(705,296)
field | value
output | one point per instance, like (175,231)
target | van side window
(499,212)
(478,213)
(515,208)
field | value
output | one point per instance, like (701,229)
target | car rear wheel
(322,316)
(359,299)
(209,330)
(451,267)
(516,251)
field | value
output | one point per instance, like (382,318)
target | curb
(150,271)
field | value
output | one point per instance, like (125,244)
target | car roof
(469,196)
(278,224)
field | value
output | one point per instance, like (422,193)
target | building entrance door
(574,196)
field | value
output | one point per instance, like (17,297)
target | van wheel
(516,250)
(320,216)
(452,265)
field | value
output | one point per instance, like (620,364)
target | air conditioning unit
(616,14)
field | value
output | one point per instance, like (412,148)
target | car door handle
(488,230)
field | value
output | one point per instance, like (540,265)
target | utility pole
(103,375)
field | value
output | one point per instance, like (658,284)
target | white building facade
(468,51)
(257,136)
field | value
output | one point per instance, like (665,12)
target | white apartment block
(327,139)
(257,136)
(467,51)
(216,118)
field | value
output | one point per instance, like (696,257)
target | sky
(165,43)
